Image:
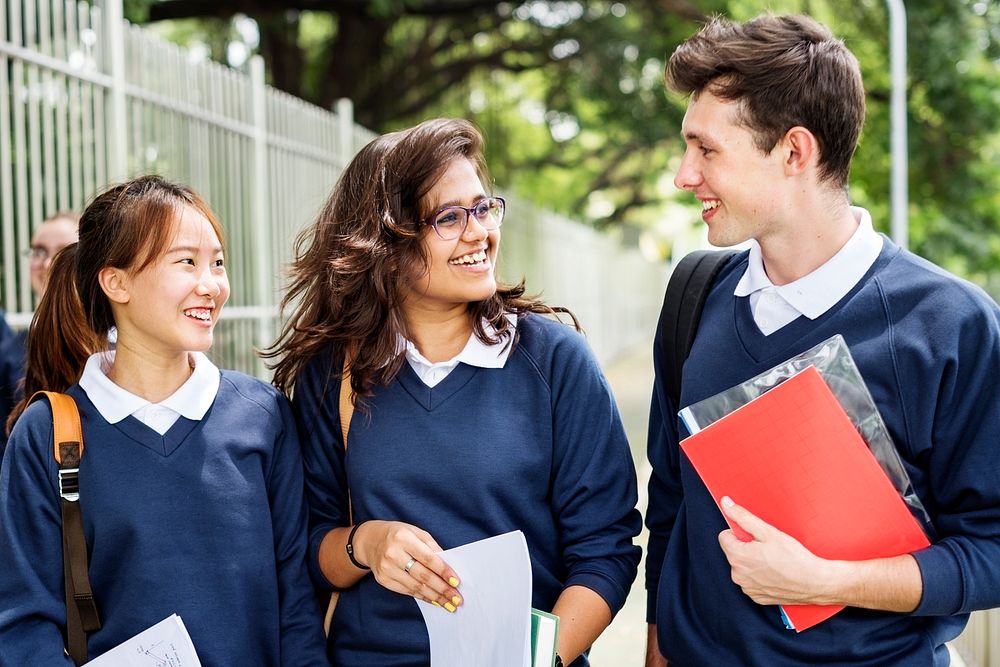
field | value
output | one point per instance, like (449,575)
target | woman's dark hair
(783,71)
(125,227)
(350,265)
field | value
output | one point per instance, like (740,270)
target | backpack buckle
(69,484)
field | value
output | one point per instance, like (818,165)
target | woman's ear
(802,150)
(114,284)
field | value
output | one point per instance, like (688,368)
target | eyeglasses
(450,222)
(37,253)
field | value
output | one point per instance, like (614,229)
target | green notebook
(544,632)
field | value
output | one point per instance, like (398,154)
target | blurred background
(259,104)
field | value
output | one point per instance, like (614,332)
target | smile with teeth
(709,204)
(203,314)
(471,258)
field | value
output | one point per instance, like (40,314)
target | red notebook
(792,457)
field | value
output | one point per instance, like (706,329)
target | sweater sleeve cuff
(651,591)
(315,573)
(942,582)
(653,573)
(611,592)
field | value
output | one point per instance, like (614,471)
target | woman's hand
(404,559)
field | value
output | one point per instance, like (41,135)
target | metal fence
(87,99)
(979,645)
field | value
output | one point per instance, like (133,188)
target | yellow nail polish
(453,581)
(449,607)
(435,603)
(456,600)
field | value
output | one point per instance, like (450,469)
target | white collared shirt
(475,353)
(774,306)
(191,400)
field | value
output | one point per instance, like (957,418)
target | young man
(776,108)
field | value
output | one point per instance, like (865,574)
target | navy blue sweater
(12,348)
(207,521)
(928,347)
(537,446)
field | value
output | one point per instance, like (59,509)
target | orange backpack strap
(67,448)
(67,434)
(346,402)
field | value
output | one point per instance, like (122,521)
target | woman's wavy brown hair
(351,264)
(126,227)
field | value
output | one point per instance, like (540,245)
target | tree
(570,94)
(953,122)
(394,58)
(584,77)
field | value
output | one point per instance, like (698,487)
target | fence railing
(87,99)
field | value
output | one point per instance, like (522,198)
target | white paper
(492,627)
(166,644)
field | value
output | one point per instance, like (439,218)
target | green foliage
(953,124)
(570,96)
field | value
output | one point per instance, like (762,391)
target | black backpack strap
(683,302)
(67,442)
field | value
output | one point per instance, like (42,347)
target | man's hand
(773,568)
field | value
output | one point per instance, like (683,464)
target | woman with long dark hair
(476,414)
(191,486)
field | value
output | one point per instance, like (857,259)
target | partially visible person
(475,413)
(11,372)
(191,483)
(54,233)
(776,109)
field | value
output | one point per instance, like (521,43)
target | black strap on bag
(67,443)
(683,302)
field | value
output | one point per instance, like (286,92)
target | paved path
(631,378)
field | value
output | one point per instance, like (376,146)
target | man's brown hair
(784,71)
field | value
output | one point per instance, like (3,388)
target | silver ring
(409,564)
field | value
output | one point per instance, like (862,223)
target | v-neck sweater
(536,446)
(206,521)
(12,350)
(928,347)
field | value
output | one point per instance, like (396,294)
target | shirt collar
(475,353)
(191,400)
(817,292)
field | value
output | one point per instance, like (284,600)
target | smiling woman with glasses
(478,413)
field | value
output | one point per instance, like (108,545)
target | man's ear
(114,284)
(801,150)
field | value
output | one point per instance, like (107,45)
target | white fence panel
(86,97)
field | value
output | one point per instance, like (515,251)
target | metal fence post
(345,128)
(116,124)
(900,167)
(261,209)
